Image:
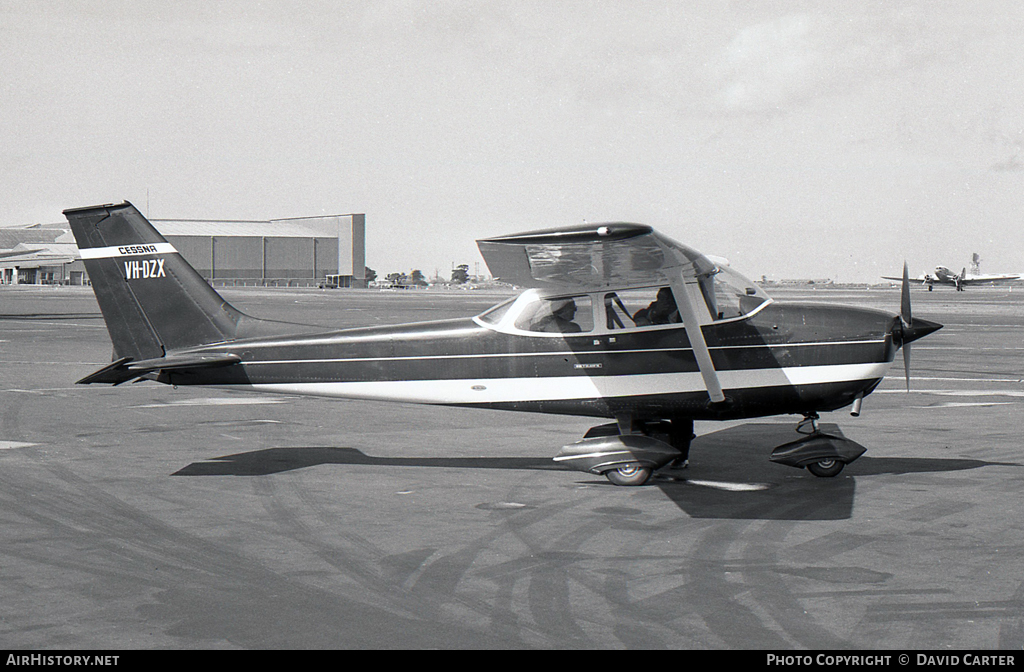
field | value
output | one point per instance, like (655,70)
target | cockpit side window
(645,307)
(565,315)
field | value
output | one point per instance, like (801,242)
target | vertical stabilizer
(152,300)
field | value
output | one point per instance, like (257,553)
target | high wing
(616,255)
(592,256)
(921,278)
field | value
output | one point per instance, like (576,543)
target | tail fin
(152,300)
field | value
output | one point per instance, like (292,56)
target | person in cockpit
(662,310)
(560,320)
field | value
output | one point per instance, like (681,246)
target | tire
(826,468)
(629,475)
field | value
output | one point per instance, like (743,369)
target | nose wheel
(825,468)
(824,455)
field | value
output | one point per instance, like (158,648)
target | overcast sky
(796,139)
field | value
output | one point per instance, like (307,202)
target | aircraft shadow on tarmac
(730,476)
(277,460)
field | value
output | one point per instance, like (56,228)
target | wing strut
(693,332)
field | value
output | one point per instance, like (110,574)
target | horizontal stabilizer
(125,369)
(113,373)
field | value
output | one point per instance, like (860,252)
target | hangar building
(294,252)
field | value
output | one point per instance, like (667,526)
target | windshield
(729,294)
(494,314)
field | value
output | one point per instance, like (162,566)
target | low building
(294,252)
(39,254)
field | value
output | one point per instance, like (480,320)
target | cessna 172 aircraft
(619,322)
(944,276)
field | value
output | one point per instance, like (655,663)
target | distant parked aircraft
(944,276)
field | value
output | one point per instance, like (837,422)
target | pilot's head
(665,303)
(564,308)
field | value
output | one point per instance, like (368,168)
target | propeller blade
(910,330)
(908,318)
(906,363)
(905,297)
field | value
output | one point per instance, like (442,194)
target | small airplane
(618,322)
(944,276)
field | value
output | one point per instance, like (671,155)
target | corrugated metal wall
(301,250)
(237,257)
(197,251)
(289,257)
(259,258)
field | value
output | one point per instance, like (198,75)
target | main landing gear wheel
(826,468)
(629,475)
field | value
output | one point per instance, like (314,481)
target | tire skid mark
(432,597)
(196,588)
(774,594)
(543,573)
(1011,632)
(556,571)
(665,619)
(359,560)
(550,585)
(900,620)
(728,580)
(714,592)
(448,571)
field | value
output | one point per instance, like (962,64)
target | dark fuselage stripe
(595,363)
(557,353)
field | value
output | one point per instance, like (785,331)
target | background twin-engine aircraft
(619,322)
(944,276)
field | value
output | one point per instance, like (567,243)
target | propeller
(910,329)
(907,319)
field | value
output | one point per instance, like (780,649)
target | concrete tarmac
(142,517)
